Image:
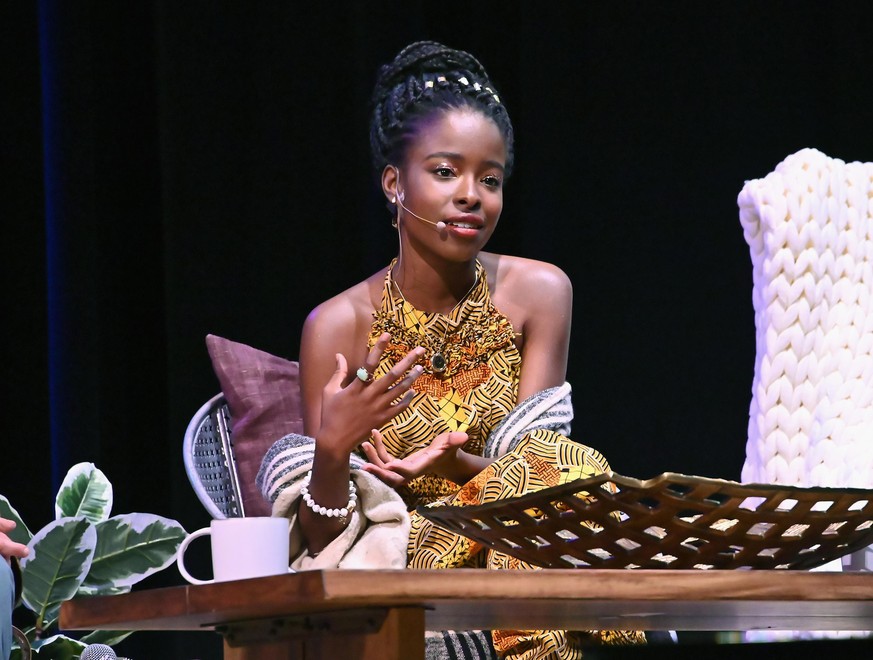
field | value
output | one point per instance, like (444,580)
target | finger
(413,465)
(378,444)
(400,389)
(339,374)
(375,354)
(372,454)
(6,525)
(399,370)
(410,378)
(19,550)
(10,548)
(456,438)
(385,415)
(409,468)
(371,362)
(399,405)
(391,478)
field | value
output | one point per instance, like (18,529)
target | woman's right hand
(349,412)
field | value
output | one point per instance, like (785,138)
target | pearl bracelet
(323,510)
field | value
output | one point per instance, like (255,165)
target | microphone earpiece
(401,195)
(440,225)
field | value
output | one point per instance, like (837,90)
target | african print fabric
(476,392)
(541,459)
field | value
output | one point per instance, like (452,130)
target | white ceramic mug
(242,548)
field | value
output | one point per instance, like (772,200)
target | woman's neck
(433,287)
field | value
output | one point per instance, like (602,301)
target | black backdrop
(172,169)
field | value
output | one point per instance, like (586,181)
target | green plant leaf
(20,534)
(85,492)
(60,558)
(108,637)
(102,590)
(58,647)
(131,547)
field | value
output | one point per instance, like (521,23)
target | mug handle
(180,556)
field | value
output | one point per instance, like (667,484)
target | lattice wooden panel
(670,521)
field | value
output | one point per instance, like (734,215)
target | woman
(419,366)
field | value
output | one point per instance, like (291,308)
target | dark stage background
(172,169)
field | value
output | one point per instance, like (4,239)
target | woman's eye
(443,171)
(491,181)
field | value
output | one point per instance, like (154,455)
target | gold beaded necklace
(438,361)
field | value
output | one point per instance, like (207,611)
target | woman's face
(452,172)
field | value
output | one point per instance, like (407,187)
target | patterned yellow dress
(469,384)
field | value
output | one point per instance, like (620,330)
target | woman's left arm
(546,294)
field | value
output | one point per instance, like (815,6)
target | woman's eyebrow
(456,156)
(446,154)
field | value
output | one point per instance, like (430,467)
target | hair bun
(426,57)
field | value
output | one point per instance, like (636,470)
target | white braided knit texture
(809,226)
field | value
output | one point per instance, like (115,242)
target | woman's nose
(466,193)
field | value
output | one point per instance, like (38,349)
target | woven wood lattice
(671,521)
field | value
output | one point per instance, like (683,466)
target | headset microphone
(439,225)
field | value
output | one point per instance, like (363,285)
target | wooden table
(371,614)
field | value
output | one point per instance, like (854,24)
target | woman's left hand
(439,457)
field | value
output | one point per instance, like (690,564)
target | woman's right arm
(339,409)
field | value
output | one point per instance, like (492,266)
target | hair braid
(423,78)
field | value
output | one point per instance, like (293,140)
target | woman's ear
(389,182)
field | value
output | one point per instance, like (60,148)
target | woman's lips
(466,225)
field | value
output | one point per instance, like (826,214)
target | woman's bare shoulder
(343,315)
(519,276)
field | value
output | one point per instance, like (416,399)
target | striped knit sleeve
(550,409)
(288,461)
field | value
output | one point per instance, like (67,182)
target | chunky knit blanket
(809,226)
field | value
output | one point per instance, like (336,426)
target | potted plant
(85,552)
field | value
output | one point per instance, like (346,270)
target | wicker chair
(209,460)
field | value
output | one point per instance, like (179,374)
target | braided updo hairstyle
(427,77)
